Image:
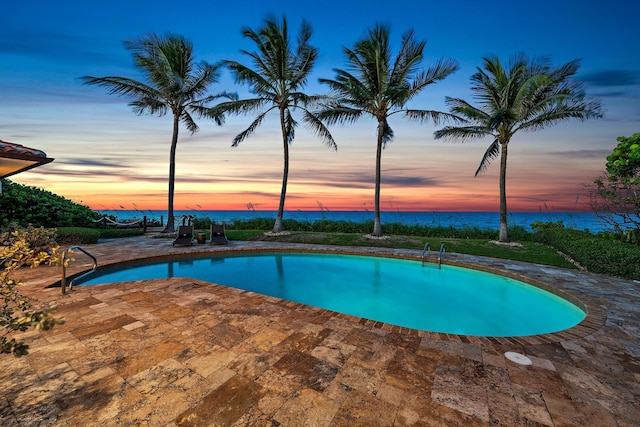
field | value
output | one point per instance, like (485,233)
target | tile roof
(16,158)
(18,150)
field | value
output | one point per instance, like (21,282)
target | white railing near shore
(138,223)
(143,222)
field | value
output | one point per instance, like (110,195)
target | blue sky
(108,157)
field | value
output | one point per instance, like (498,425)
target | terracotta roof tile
(20,150)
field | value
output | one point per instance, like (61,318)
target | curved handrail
(442,250)
(63,279)
(427,247)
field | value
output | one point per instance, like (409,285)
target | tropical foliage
(377,85)
(615,196)
(174,82)
(23,247)
(522,95)
(26,205)
(279,74)
(596,253)
(624,162)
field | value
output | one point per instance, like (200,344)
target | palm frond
(149,105)
(320,129)
(580,109)
(407,60)
(463,109)
(387,134)
(339,114)
(256,81)
(461,133)
(431,115)
(442,69)
(241,106)
(492,152)
(289,126)
(250,130)
(188,121)
(122,86)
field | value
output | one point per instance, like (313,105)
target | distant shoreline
(484,220)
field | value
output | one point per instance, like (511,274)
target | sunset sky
(107,157)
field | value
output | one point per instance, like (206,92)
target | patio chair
(185,235)
(217,235)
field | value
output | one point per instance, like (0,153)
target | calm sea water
(485,220)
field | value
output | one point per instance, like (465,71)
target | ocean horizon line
(486,220)
(338,210)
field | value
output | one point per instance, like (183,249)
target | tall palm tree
(376,85)
(280,72)
(174,81)
(524,95)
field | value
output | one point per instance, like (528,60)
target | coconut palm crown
(523,95)
(377,85)
(174,82)
(278,75)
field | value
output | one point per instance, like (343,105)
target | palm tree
(374,85)
(174,81)
(526,95)
(280,73)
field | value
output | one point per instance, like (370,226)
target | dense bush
(77,235)
(541,225)
(597,254)
(33,206)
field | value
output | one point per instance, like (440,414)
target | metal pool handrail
(63,279)
(427,247)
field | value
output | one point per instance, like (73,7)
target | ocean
(484,220)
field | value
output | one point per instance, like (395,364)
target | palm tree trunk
(504,230)
(377,226)
(172,174)
(277,227)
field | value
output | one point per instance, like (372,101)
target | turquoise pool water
(400,292)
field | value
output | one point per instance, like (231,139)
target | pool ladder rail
(63,279)
(427,249)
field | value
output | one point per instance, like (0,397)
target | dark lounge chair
(217,235)
(185,235)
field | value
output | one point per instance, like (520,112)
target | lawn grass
(524,251)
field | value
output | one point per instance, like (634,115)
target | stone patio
(182,352)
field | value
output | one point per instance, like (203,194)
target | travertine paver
(189,353)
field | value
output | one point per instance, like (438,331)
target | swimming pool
(395,291)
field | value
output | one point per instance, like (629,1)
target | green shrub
(252,224)
(541,225)
(596,253)
(77,235)
(202,223)
(33,206)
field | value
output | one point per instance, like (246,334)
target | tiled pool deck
(189,353)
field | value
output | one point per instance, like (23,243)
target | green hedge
(597,254)
(76,235)
(81,235)
(365,227)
